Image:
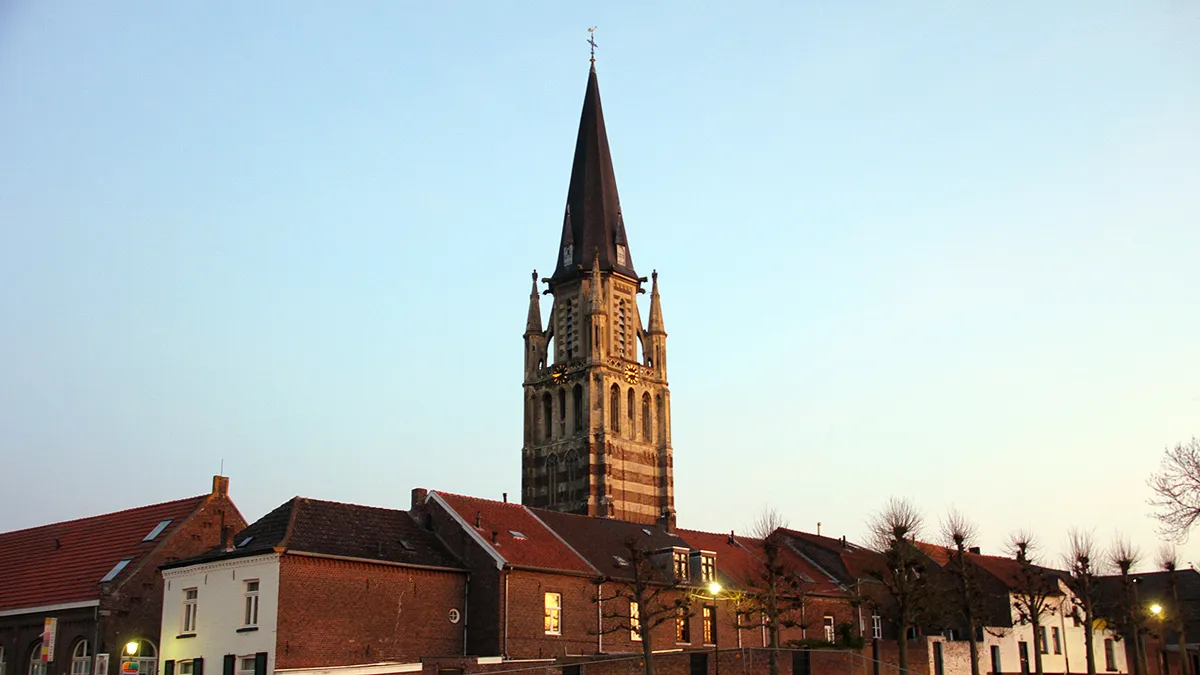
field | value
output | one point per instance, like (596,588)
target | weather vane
(592,41)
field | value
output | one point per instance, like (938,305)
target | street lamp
(714,589)
(1157,610)
(131,647)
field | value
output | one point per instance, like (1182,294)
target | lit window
(146,657)
(245,665)
(683,634)
(185,668)
(708,568)
(829,636)
(635,622)
(250,616)
(190,598)
(158,529)
(81,659)
(710,624)
(554,614)
(681,565)
(877,627)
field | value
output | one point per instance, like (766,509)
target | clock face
(631,374)
(559,374)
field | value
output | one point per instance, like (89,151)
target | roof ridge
(104,515)
(291,524)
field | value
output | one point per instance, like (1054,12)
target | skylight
(647,531)
(620,562)
(158,529)
(244,542)
(405,545)
(112,574)
(516,535)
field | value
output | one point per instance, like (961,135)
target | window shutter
(198,666)
(260,663)
(168,668)
(230,664)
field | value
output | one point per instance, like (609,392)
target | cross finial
(592,41)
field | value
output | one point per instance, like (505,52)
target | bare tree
(958,535)
(1123,557)
(1032,588)
(647,597)
(1176,488)
(775,592)
(1081,560)
(1169,563)
(893,533)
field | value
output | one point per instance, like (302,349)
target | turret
(656,335)
(535,337)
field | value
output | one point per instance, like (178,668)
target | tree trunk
(972,643)
(1185,665)
(647,652)
(1089,640)
(1037,649)
(902,647)
(773,618)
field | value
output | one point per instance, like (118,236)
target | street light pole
(1163,669)
(715,588)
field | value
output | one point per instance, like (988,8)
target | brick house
(1158,633)
(314,585)
(98,578)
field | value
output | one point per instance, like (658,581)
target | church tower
(597,408)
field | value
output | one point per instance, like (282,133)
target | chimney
(220,486)
(818,528)
(667,520)
(418,497)
(505,497)
(974,549)
(495,536)
(478,519)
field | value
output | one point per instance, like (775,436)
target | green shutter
(197,666)
(168,668)
(260,663)
(230,664)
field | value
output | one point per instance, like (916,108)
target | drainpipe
(504,649)
(465,616)
(600,618)
(1062,620)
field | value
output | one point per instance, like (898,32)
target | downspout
(465,616)
(1062,620)
(504,647)
(600,618)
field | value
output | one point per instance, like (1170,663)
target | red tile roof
(64,562)
(739,561)
(537,547)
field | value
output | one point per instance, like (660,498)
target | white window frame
(830,628)
(708,624)
(184,667)
(679,559)
(708,568)
(191,606)
(81,658)
(1056,638)
(241,665)
(36,665)
(146,657)
(553,603)
(876,627)
(250,604)
(635,622)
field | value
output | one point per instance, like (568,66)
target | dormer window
(680,559)
(568,254)
(621,254)
(708,568)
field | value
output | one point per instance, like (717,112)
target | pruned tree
(907,593)
(1127,611)
(648,596)
(1168,562)
(1080,560)
(774,592)
(1032,589)
(958,536)
(1176,487)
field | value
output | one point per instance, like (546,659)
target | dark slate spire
(656,320)
(533,323)
(592,224)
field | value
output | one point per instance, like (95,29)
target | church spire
(593,228)
(656,320)
(533,324)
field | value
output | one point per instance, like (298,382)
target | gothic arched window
(577,395)
(552,478)
(547,422)
(572,461)
(562,413)
(646,423)
(81,659)
(629,408)
(614,408)
(659,414)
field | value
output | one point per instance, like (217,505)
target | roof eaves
(374,561)
(560,539)
(500,560)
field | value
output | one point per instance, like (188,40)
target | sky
(937,250)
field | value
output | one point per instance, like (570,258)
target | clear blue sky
(939,249)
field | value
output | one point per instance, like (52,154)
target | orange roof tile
(739,559)
(64,562)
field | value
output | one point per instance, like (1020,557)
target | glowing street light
(131,648)
(714,588)
(1156,609)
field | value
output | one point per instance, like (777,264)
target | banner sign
(49,632)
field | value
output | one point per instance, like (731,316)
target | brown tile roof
(302,525)
(844,559)
(512,532)
(64,562)
(739,561)
(936,553)
(601,541)
(1008,571)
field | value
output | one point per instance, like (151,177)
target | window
(876,627)
(577,395)
(647,432)
(614,408)
(554,614)
(245,665)
(629,406)
(829,635)
(562,412)
(112,574)
(36,665)
(250,616)
(185,667)
(146,657)
(996,660)
(158,529)
(547,421)
(681,565)
(1023,654)
(635,622)
(710,625)
(190,597)
(683,634)
(708,568)
(1056,639)
(1110,655)
(1043,641)
(552,478)
(81,659)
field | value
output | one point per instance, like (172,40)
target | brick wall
(338,612)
